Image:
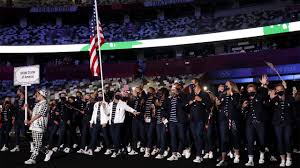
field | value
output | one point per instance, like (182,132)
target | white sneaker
(206,156)
(30,162)
(55,149)
(288,162)
(61,146)
(15,149)
(155,151)
(75,146)
(282,163)
(129,149)
(159,156)
(67,150)
(138,145)
(115,154)
(4,148)
(132,152)
(273,159)
(178,155)
(187,153)
(198,159)
(147,153)
(166,153)
(80,151)
(48,156)
(172,158)
(261,158)
(142,149)
(211,155)
(107,152)
(89,152)
(98,149)
(230,154)
(236,160)
(249,163)
(221,163)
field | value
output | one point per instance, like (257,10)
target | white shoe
(4,148)
(172,158)
(178,155)
(221,163)
(61,146)
(142,150)
(273,159)
(67,150)
(80,151)
(282,164)
(288,162)
(211,155)
(48,156)
(187,153)
(132,152)
(146,155)
(159,156)
(198,159)
(108,152)
(129,149)
(155,151)
(230,154)
(89,152)
(30,162)
(75,146)
(55,149)
(98,149)
(138,145)
(166,153)
(236,160)
(249,163)
(15,149)
(261,158)
(115,154)
(206,156)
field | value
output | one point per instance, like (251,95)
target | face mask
(63,99)
(251,94)
(100,98)
(226,88)
(117,97)
(280,93)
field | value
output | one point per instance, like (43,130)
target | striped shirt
(173,112)
(149,102)
(113,114)
(158,113)
(99,113)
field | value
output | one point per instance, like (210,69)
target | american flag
(94,57)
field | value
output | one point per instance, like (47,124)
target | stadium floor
(74,160)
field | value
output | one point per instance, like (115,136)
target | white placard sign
(27,75)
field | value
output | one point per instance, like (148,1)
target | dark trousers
(209,137)
(255,130)
(115,130)
(283,133)
(4,133)
(138,133)
(161,137)
(52,133)
(95,133)
(150,130)
(126,133)
(64,134)
(106,135)
(178,136)
(85,127)
(19,130)
(228,137)
(197,129)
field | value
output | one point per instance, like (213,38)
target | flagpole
(99,50)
